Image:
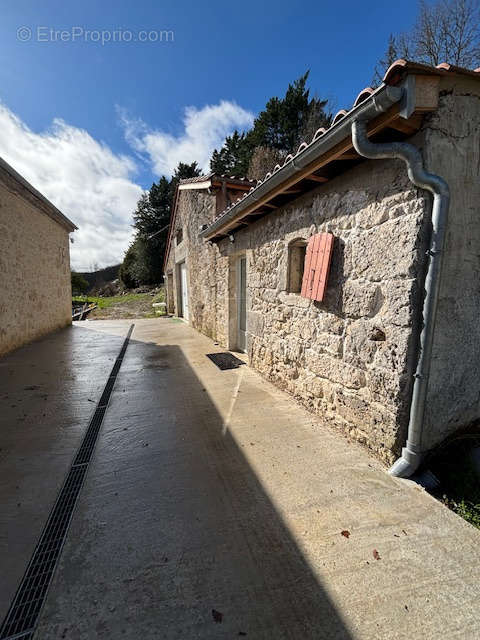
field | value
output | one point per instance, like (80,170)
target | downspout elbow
(407,464)
(401,151)
(413,452)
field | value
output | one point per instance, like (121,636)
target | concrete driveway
(213,506)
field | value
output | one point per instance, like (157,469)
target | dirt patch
(128,305)
(138,307)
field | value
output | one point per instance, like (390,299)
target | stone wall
(351,358)
(346,358)
(206,270)
(453,151)
(35,292)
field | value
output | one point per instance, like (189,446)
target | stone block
(372,251)
(255,323)
(334,369)
(359,348)
(361,299)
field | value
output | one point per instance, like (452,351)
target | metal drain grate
(23,613)
(225,360)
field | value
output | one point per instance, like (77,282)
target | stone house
(35,290)
(341,274)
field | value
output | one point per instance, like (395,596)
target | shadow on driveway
(174,536)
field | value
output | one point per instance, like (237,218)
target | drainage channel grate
(24,611)
(225,360)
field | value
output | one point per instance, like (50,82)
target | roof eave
(191,186)
(378,102)
(49,208)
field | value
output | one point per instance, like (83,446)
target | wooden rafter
(316,178)
(409,126)
(426,99)
(351,155)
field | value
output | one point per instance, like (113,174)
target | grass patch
(160,297)
(460,487)
(467,510)
(105,303)
(130,305)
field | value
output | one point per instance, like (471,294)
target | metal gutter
(355,124)
(412,453)
(377,103)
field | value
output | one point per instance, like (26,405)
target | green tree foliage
(99,277)
(143,260)
(282,123)
(182,172)
(281,126)
(128,269)
(79,284)
(234,157)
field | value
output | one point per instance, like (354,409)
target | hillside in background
(97,279)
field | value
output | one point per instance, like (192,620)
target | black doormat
(225,360)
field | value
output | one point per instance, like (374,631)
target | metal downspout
(412,453)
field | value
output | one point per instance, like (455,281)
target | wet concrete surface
(214,505)
(48,391)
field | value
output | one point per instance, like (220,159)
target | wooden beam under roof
(232,185)
(426,99)
(316,178)
(339,149)
(350,155)
(289,191)
(409,126)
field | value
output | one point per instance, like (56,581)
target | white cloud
(87,181)
(204,130)
(95,187)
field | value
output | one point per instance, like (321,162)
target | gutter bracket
(407,103)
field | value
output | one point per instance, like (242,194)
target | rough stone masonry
(351,357)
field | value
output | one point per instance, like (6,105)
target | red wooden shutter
(317,266)
(306,269)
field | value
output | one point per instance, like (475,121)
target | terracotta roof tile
(318,133)
(363,95)
(397,70)
(339,115)
(209,176)
(196,179)
(393,76)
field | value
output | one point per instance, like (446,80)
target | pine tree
(182,172)
(127,271)
(233,158)
(280,127)
(268,128)
(143,262)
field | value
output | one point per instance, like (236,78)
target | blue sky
(92,125)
